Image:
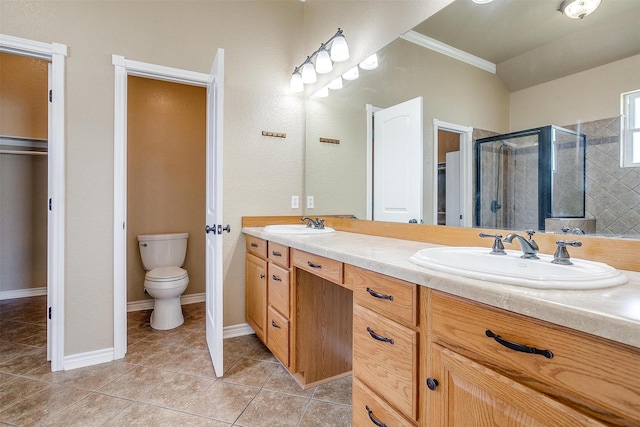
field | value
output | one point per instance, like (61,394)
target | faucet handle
(562,254)
(498,247)
(532,242)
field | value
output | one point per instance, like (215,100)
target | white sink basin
(510,269)
(296,229)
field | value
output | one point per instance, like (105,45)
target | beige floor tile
(325,414)
(282,382)
(177,391)
(223,401)
(140,414)
(42,405)
(15,389)
(136,383)
(97,376)
(271,409)
(93,410)
(200,365)
(254,373)
(188,420)
(27,362)
(338,391)
(11,349)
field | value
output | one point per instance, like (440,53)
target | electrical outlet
(295,202)
(310,202)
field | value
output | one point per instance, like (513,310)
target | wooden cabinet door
(469,394)
(256,294)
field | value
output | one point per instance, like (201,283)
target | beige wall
(166,132)
(583,97)
(263,41)
(23,178)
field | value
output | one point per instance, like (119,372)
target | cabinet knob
(432,383)
(262,276)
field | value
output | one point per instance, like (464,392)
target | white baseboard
(90,358)
(147,304)
(23,293)
(237,330)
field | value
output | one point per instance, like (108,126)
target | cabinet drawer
(279,289)
(370,410)
(278,335)
(392,297)
(256,246)
(591,372)
(320,266)
(385,358)
(279,254)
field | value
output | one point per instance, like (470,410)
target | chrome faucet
(562,255)
(529,246)
(317,223)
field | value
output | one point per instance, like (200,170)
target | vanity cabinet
(482,369)
(279,302)
(256,285)
(385,348)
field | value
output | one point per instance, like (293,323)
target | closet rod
(30,153)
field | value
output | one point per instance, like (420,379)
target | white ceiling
(531,42)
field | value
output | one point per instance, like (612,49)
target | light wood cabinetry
(494,367)
(385,348)
(256,294)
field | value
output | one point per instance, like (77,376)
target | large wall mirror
(483,70)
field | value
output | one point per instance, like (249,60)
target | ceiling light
(371,63)
(336,84)
(351,74)
(482,1)
(578,9)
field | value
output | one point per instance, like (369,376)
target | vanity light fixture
(336,84)
(333,50)
(482,1)
(578,9)
(371,63)
(322,93)
(351,74)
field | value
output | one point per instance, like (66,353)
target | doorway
(54,54)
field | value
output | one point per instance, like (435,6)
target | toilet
(162,257)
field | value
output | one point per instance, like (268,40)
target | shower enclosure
(524,177)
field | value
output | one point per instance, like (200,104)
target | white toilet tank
(162,250)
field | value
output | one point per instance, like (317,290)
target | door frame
(56,54)
(371,111)
(466,153)
(124,68)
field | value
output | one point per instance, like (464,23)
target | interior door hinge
(50,95)
(50,203)
(49,313)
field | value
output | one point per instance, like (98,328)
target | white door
(213,215)
(397,163)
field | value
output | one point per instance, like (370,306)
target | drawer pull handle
(373,419)
(275,325)
(377,295)
(312,265)
(432,383)
(274,253)
(254,245)
(378,337)
(262,276)
(518,347)
(276,278)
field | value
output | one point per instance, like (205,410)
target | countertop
(611,313)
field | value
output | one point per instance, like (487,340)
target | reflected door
(397,163)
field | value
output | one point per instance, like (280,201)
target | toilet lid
(161,274)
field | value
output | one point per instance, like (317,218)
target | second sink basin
(296,229)
(510,269)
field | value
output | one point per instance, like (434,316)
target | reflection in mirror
(549,70)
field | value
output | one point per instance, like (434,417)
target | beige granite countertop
(612,313)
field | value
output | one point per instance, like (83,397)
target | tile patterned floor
(165,379)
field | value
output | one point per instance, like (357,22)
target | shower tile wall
(613,193)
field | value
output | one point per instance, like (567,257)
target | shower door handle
(208,229)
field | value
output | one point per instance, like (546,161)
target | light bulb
(351,74)
(371,63)
(323,62)
(336,84)
(339,49)
(322,93)
(296,84)
(308,73)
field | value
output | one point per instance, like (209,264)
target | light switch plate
(310,202)
(295,202)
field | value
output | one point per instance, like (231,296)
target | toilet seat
(166,274)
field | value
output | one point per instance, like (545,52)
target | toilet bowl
(163,256)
